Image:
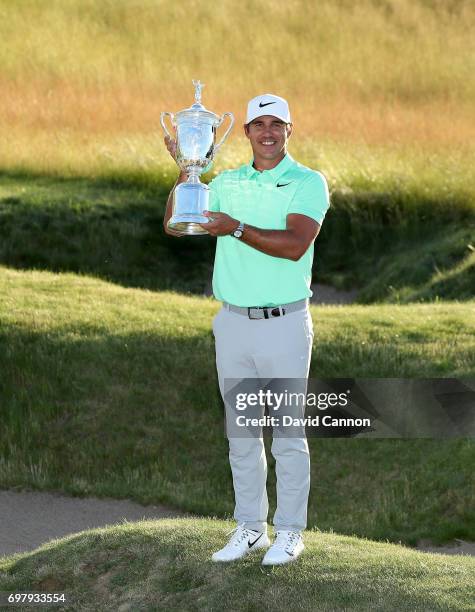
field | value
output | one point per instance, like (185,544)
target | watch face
(237,234)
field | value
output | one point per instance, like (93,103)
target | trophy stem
(194,176)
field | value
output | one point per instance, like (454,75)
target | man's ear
(246,129)
(289,129)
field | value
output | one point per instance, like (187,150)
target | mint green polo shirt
(244,276)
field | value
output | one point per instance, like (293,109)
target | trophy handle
(231,117)
(162,121)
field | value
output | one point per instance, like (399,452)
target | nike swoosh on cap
(250,544)
(283,184)
(262,104)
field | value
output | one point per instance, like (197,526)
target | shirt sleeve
(214,193)
(312,198)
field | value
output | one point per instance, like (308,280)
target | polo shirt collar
(274,173)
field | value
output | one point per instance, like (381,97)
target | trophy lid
(197,110)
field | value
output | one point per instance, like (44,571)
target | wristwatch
(239,230)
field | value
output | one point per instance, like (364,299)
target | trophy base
(187,225)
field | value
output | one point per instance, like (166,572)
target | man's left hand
(221,224)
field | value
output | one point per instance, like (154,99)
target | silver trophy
(195,130)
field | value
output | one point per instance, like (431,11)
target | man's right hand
(171,146)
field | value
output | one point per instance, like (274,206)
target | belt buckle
(249,308)
(269,312)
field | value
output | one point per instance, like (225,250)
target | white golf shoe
(242,542)
(287,547)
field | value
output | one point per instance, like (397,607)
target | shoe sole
(280,562)
(290,560)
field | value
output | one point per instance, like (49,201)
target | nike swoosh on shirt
(251,544)
(283,184)
(262,104)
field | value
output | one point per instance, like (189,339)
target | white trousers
(278,347)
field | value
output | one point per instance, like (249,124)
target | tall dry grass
(79,78)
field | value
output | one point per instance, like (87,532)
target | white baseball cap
(268,104)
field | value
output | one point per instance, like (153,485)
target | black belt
(267,312)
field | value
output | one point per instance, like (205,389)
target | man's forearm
(169,207)
(290,243)
(278,243)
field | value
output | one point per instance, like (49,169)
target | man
(266,216)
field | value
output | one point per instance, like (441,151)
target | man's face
(268,136)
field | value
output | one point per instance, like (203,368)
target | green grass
(106,391)
(419,243)
(166,564)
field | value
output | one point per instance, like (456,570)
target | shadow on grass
(108,228)
(111,227)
